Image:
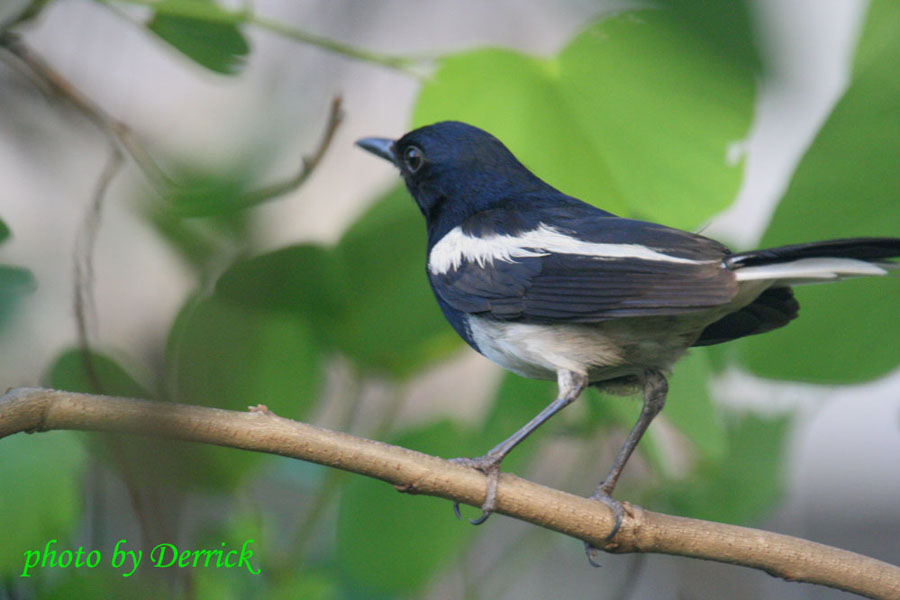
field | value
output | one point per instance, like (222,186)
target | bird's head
(454,170)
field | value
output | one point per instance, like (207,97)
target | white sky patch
(456,247)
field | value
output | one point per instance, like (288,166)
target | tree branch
(32,410)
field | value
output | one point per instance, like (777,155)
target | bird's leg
(571,385)
(655,390)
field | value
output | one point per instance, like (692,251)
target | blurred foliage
(727,27)
(91,374)
(640,113)
(424,531)
(14,282)
(218,46)
(355,295)
(846,185)
(41,494)
(736,487)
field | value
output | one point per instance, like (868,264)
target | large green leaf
(689,406)
(636,115)
(225,356)
(727,27)
(14,283)
(94,373)
(162,462)
(522,100)
(208,194)
(738,487)
(107,582)
(389,542)
(368,296)
(196,28)
(307,280)
(393,322)
(846,185)
(41,497)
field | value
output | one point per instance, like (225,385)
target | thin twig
(85,242)
(791,558)
(308,163)
(219,14)
(109,125)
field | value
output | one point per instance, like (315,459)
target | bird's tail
(785,266)
(818,261)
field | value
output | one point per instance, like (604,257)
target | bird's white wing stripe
(456,247)
(809,270)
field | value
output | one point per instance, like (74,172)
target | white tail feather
(813,270)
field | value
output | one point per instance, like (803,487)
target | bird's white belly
(605,350)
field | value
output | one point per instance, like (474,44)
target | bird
(550,287)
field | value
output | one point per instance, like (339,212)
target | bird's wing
(586,266)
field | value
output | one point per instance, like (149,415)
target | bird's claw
(618,512)
(591,552)
(490,466)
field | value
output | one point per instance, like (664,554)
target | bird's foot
(490,466)
(618,512)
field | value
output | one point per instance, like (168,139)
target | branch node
(261,409)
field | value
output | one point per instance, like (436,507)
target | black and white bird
(550,287)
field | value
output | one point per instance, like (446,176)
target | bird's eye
(413,158)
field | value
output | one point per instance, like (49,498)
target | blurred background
(759,123)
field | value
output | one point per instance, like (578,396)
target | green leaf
(305,584)
(845,186)
(523,101)
(41,498)
(208,194)
(224,356)
(199,30)
(306,280)
(70,372)
(389,542)
(393,322)
(636,115)
(738,487)
(727,27)
(162,462)
(4,231)
(15,282)
(689,406)
(107,582)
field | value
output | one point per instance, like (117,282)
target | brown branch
(793,559)
(83,264)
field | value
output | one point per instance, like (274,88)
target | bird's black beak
(382,147)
